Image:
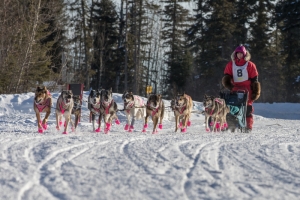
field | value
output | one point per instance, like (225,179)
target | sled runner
(237,104)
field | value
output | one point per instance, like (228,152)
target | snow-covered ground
(120,165)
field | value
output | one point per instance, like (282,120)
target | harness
(42,106)
(63,107)
(107,106)
(212,111)
(180,110)
(154,111)
(130,105)
(96,108)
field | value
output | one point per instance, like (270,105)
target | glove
(255,86)
(226,82)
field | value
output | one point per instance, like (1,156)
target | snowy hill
(121,165)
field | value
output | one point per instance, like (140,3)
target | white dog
(134,108)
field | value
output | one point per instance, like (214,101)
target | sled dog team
(102,106)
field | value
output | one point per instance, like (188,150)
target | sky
(264,164)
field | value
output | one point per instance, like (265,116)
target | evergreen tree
(287,15)
(105,61)
(174,26)
(217,39)
(261,49)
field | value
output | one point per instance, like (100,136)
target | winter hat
(241,49)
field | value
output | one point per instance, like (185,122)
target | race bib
(240,73)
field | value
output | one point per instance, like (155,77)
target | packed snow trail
(168,165)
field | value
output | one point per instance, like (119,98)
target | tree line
(175,46)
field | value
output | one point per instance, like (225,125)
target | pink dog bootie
(180,125)
(97,130)
(108,125)
(117,121)
(183,130)
(160,126)
(189,123)
(45,126)
(40,130)
(155,131)
(65,133)
(131,128)
(126,127)
(145,128)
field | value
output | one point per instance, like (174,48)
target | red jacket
(252,73)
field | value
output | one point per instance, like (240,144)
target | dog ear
(130,93)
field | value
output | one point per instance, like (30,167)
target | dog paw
(108,125)
(144,130)
(97,130)
(40,130)
(65,133)
(207,130)
(155,132)
(189,123)
(126,127)
(45,126)
(160,126)
(57,127)
(73,129)
(183,130)
(117,121)
(131,128)
(106,131)
(145,126)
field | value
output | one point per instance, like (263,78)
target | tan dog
(64,108)
(155,108)
(182,107)
(42,103)
(216,109)
(134,108)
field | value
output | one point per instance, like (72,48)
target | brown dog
(42,103)
(216,109)
(182,107)
(156,109)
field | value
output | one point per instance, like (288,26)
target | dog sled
(236,101)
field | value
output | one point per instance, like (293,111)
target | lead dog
(42,104)
(64,108)
(108,109)
(216,109)
(134,108)
(182,107)
(155,108)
